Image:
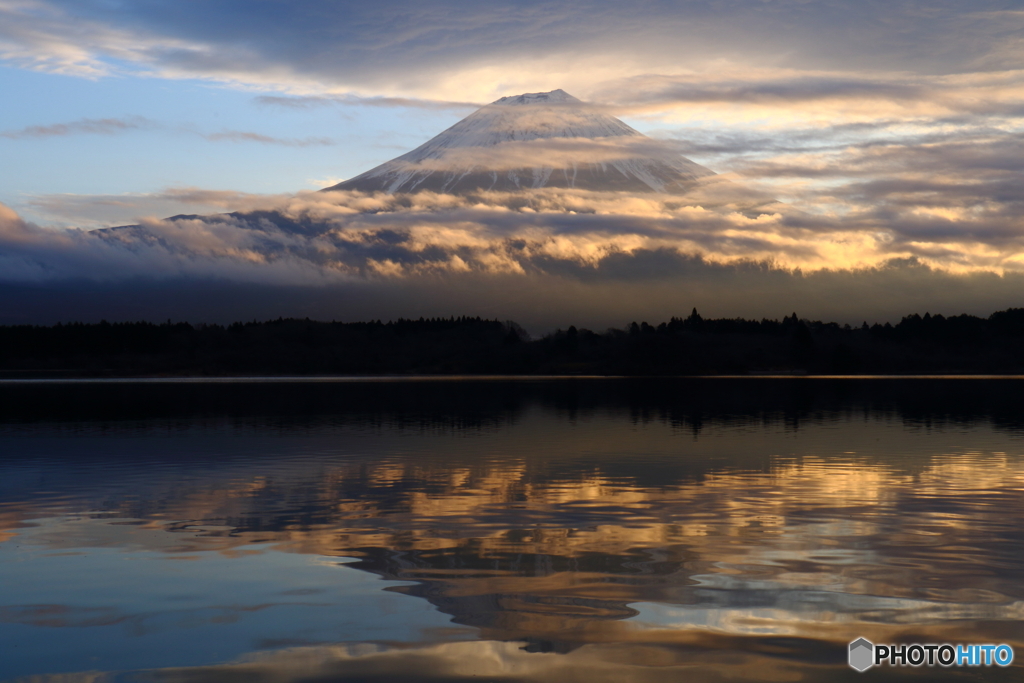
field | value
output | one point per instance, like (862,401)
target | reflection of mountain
(558,527)
(554,600)
(599,531)
(530,141)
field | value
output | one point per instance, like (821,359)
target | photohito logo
(863,654)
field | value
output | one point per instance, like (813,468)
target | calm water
(620,530)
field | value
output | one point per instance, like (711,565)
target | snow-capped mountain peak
(531,141)
(553,97)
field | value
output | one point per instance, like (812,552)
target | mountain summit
(534,140)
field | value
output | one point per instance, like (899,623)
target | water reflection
(519,531)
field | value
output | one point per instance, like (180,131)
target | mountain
(534,140)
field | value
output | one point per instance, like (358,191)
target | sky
(891,133)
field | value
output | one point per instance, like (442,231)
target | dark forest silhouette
(471,345)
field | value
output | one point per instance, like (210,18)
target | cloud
(448,51)
(247,136)
(312,101)
(959,197)
(80,127)
(744,78)
(45,36)
(853,197)
(627,661)
(999,93)
(115,126)
(941,220)
(650,286)
(595,255)
(217,247)
(891,138)
(100,211)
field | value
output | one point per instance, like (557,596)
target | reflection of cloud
(487,660)
(526,545)
(666,658)
(61,616)
(82,677)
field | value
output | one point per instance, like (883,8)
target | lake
(506,530)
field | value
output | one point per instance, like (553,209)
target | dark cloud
(403,46)
(645,286)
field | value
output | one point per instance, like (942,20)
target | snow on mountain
(534,140)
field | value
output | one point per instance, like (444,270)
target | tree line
(690,345)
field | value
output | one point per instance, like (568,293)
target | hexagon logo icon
(862,654)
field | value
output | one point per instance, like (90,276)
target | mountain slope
(530,141)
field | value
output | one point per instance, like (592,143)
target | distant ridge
(533,140)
